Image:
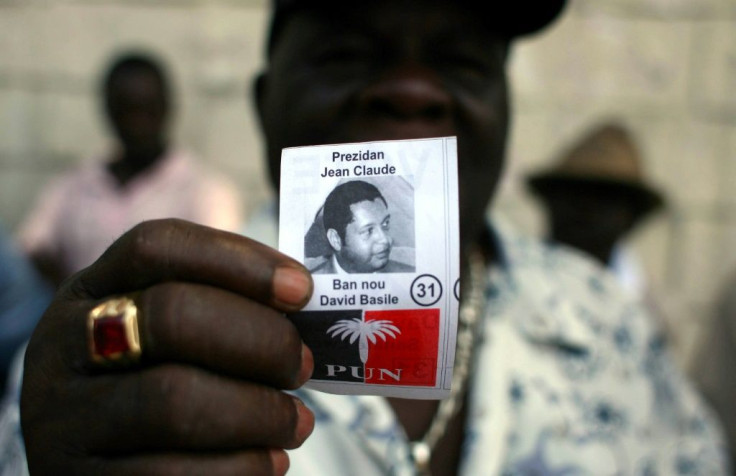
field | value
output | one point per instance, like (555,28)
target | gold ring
(112,332)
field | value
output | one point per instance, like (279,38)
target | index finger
(176,250)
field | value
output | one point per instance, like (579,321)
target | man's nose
(382,237)
(411,92)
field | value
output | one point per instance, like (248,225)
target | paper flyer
(377,224)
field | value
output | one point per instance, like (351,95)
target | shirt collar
(172,163)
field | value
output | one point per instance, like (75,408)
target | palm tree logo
(363,331)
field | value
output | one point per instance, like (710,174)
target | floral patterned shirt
(570,378)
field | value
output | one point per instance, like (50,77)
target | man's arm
(217,351)
(39,234)
(23,298)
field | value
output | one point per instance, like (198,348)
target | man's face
(590,217)
(137,108)
(367,244)
(392,69)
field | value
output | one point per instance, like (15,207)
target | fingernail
(280,461)
(305,373)
(305,423)
(291,286)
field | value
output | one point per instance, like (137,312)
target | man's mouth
(383,255)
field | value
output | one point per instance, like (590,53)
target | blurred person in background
(144,177)
(714,368)
(595,195)
(23,299)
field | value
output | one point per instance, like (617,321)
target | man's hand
(217,351)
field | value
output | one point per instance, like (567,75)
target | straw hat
(605,157)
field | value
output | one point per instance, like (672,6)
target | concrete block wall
(666,68)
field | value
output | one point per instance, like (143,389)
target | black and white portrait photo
(363,226)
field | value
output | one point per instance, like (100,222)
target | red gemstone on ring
(109,336)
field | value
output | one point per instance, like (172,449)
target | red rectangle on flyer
(408,358)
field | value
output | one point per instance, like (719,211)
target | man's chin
(379,265)
(381,130)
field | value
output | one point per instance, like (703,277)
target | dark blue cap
(512,19)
